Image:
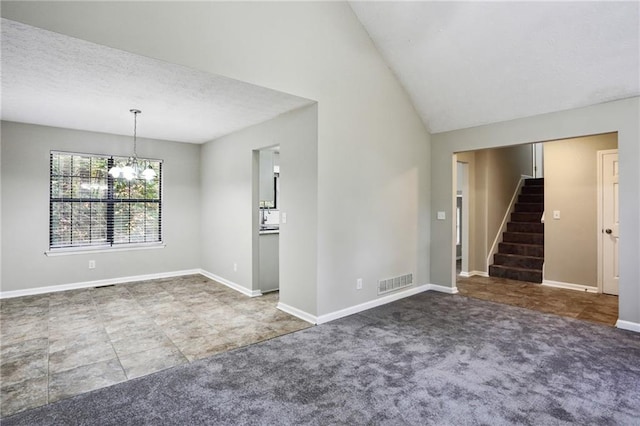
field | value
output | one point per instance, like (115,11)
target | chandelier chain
(133,169)
(135,131)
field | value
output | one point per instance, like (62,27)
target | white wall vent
(395,283)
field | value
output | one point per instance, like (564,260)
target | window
(87,207)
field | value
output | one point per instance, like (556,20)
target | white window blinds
(90,208)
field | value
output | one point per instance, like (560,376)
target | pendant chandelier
(133,169)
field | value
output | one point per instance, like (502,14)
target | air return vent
(396,283)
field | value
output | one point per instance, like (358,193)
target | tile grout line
(159,327)
(170,339)
(189,309)
(101,319)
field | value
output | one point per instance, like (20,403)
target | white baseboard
(371,304)
(628,325)
(473,274)
(97,283)
(231,284)
(570,286)
(297,313)
(364,306)
(443,289)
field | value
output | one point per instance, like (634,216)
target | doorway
(570,173)
(462,217)
(268,271)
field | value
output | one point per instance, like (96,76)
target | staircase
(521,253)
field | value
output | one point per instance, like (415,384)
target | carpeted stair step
(533,189)
(535,250)
(529,217)
(529,207)
(523,237)
(534,228)
(518,261)
(520,274)
(531,198)
(521,253)
(534,182)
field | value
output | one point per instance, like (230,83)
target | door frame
(464,220)
(600,229)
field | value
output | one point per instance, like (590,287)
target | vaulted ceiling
(462,64)
(471,63)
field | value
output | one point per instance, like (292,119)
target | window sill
(101,249)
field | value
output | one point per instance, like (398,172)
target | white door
(609,232)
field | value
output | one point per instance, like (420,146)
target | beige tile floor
(57,345)
(593,307)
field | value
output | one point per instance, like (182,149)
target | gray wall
(570,179)
(621,116)
(25,208)
(229,229)
(373,149)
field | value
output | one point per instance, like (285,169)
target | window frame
(110,202)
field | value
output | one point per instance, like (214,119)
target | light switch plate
(442,216)
(283,217)
(556,214)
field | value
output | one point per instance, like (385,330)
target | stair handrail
(505,220)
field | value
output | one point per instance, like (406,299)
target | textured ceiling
(56,80)
(472,63)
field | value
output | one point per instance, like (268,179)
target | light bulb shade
(149,174)
(128,173)
(115,172)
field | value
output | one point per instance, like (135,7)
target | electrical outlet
(235,267)
(92,264)
(359,284)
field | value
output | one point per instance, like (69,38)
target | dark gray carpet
(429,359)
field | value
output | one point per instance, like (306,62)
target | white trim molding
(475,274)
(628,325)
(297,313)
(442,289)
(102,249)
(383,301)
(371,304)
(97,283)
(570,286)
(231,284)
